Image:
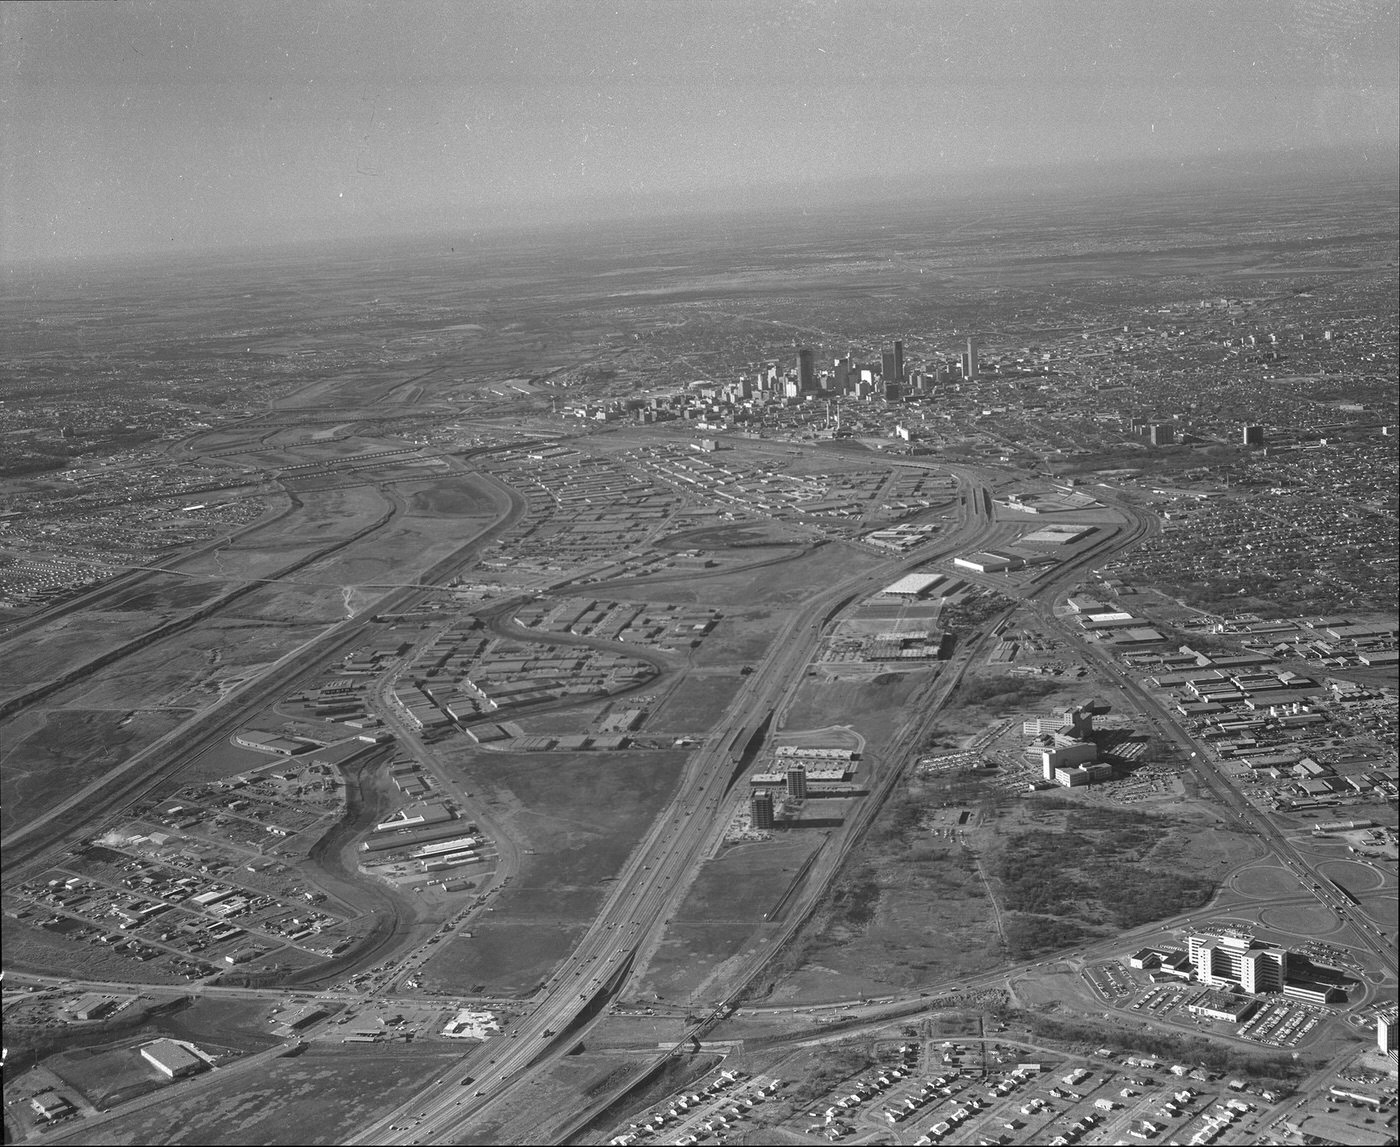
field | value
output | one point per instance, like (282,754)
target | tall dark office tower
(887,367)
(797,783)
(969,362)
(761,807)
(898,361)
(806,372)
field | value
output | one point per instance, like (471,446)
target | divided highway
(652,883)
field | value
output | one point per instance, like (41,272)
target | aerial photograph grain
(710,572)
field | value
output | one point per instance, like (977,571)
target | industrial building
(272,743)
(411,838)
(991,562)
(914,585)
(171,1059)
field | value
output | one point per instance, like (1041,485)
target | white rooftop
(914,583)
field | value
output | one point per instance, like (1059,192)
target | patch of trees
(17,461)
(1029,935)
(1005,692)
(1098,870)
(843,1062)
(1191,1050)
(856,898)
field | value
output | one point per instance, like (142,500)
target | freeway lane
(651,883)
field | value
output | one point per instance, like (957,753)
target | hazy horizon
(136,128)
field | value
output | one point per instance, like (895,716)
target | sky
(149,125)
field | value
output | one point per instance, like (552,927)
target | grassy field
(50,649)
(912,903)
(506,958)
(163,594)
(189,669)
(874,708)
(1265,881)
(695,704)
(725,910)
(550,1100)
(38,950)
(787,584)
(740,637)
(322,1096)
(49,754)
(460,496)
(1300,919)
(576,817)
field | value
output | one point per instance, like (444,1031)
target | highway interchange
(648,890)
(650,887)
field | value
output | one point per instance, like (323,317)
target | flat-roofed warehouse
(169,1058)
(914,585)
(990,562)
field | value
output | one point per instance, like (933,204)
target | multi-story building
(888,370)
(969,360)
(806,371)
(1221,960)
(761,808)
(797,782)
(1385,1030)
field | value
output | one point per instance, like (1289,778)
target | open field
(1355,878)
(189,669)
(32,949)
(1265,881)
(55,751)
(160,596)
(1300,919)
(729,902)
(740,636)
(760,532)
(580,813)
(57,646)
(695,704)
(875,708)
(320,1097)
(505,957)
(577,816)
(688,967)
(912,903)
(786,583)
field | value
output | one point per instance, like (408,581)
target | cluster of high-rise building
(891,378)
